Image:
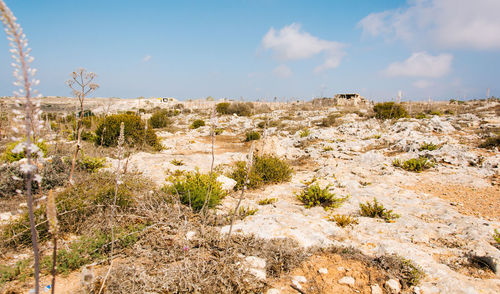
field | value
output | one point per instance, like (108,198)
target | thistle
(24,76)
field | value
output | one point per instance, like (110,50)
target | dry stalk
(212,135)
(24,75)
(249,167)
(82,85)
(121,140)
(52,219)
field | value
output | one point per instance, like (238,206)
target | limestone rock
(227,183)
(347,281)
(393,286)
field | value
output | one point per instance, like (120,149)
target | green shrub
(428,146)
(420,116)
(409,273)
(193,188)
(218,131)
(313,195)
(135,131)
(197,123)
(343,220)
(414,164)
(91,164)
(246,211)
(266,169)
(177,162)
(304,133)
(387,110)
(267,201)
(377,210)
(496,236)
(9,156)
(491,142)
(222,108)
(161,119)
(252,135)
(435,112)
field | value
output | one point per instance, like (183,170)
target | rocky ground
(447,213)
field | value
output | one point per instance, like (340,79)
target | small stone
(273,291)
(376,289)
(323,271)
(190,235)
(393,286)
(341,269)
(300,279)
(347,281)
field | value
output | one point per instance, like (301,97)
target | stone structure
(349,99)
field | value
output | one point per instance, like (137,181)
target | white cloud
(422,84)
(421,64)
(146,58)
(445,23)
(282,71)
(291,43)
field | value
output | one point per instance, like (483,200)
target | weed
(327,148)
(435,112)
(343,220)
(177,162)
(377,210)
(266,169)
(313,195)
(376,136)
(252,135)
(420,116)
(409,273)
(387,110)
(246,211)
(414,164)
(197,123)
(193,188)
(267,201)
(428,146)
(364,184)
(304,133)
(218,131)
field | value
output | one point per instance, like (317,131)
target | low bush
(329,120)
(218,131)
(388,110)
(251,136)
(193,188)
(222,108)
(135,131)
(177,162)
(434,112)
(414,164)
(491,142)
(88,197)
(313,195)
(496,236)
(243,212)
(10,155)
(161,118)
(267,201)
(91,164)
(377,210)
(54,173)
(428,146)
(420,116)
(343,220)
(197,123)
(409,273)
(266,169)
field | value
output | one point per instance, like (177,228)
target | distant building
(349,99)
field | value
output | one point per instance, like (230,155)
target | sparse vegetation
(193,188)
(11,154)
(161,118)
(218,131)
(428,147)
(177,162)
(251,136)
(91,164)
(377,210)
(496,236)
(267,201)
(246,211)
(388,110)
(329,120)
(313,195)
(266,169)
(343,220)
(222,108)
(410,273)
(414,164)
(304,133)
(197,123)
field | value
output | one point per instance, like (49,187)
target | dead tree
(82,84)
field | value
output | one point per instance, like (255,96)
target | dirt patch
(364,273)
(225,143)
(482,202)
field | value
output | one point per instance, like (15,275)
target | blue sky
(260,49)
